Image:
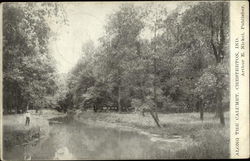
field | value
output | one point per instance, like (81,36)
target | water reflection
(78,141)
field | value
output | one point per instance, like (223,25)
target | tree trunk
(221,113)
(15,102)
(155,72)
(219,56)
(119,98)
(142,92)
(216,113)
(155,116)
(219,107)
(155,119)
(27,108)
(155,97)
(219,78)
(201,110)
(119,91)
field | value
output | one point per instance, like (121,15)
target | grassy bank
(16,133)
(208,138)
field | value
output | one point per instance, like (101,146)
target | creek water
(74,140)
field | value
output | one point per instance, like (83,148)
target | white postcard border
(239,66)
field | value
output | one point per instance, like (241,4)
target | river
(75,140)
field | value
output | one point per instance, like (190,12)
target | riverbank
(16,133)
(201,139)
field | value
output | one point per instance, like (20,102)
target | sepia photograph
(115,80)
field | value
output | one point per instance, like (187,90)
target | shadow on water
(74,140)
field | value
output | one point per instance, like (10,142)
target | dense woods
(149,59)
(182,67)
(29,73)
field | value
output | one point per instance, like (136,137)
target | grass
(203,139)
(15,132)
(212,145)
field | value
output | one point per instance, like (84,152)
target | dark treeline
(182,67)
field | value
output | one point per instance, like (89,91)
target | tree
(174,68)
(27,63)
(123,28)
(210,20)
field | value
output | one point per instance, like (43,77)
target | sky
(85,22)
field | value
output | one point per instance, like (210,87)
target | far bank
(201,139)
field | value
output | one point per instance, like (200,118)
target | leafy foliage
(28,68)
(148,58)
(177,64)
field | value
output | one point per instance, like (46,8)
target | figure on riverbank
(27,122)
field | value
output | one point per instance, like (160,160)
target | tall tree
(208,23)
(123,28)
